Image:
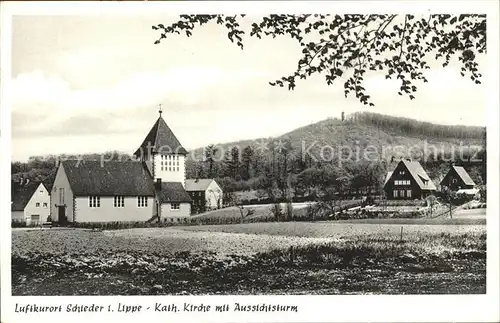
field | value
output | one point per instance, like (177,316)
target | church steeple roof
(160,139)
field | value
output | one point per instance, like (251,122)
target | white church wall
(107,212)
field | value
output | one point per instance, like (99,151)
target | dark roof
(173,192)
(198,184)
(161,137)
(22,197)
(417,171)
(464,175)
(125,178)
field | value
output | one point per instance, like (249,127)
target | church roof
(160,139)
(93,178)
(173,192)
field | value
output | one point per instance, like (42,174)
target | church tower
(163,153)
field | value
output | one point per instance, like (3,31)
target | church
(149,188)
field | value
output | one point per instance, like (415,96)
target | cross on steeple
(159,109)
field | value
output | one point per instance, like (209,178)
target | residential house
(456,179)
(151,188)
(31,205)
(205,193)
(408,181)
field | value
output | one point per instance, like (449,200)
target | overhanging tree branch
(341,47)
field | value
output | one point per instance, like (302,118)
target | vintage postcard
(249,161)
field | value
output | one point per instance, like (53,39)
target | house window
(35,218)
(45,205)
(408,193)
(401,193)
(175,206)
(94,201)
(454,181)
(119,201)
(41,192)
(61,196)
(37,204)
(142,201)
(395,193)
(402,172)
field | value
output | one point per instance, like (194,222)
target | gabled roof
(464,175)
(201,184)
(125,178)
(418,173)
(173,192)
(160,137)
(23,196)
(387,177)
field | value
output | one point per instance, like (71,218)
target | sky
(86,84)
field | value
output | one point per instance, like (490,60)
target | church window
(94,201)
(170,169)
(119,201)
(142,201)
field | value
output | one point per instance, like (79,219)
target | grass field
(345,229)
(256,258)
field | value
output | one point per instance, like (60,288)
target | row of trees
(277,173)
(409,126)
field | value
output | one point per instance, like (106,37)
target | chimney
(158,184)
(408,159)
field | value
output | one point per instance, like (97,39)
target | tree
(246,160)
(449,196)
(348,46)
(232,163)
(210,152)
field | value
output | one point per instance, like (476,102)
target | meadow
(253,258)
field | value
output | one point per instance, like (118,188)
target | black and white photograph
(243,153)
